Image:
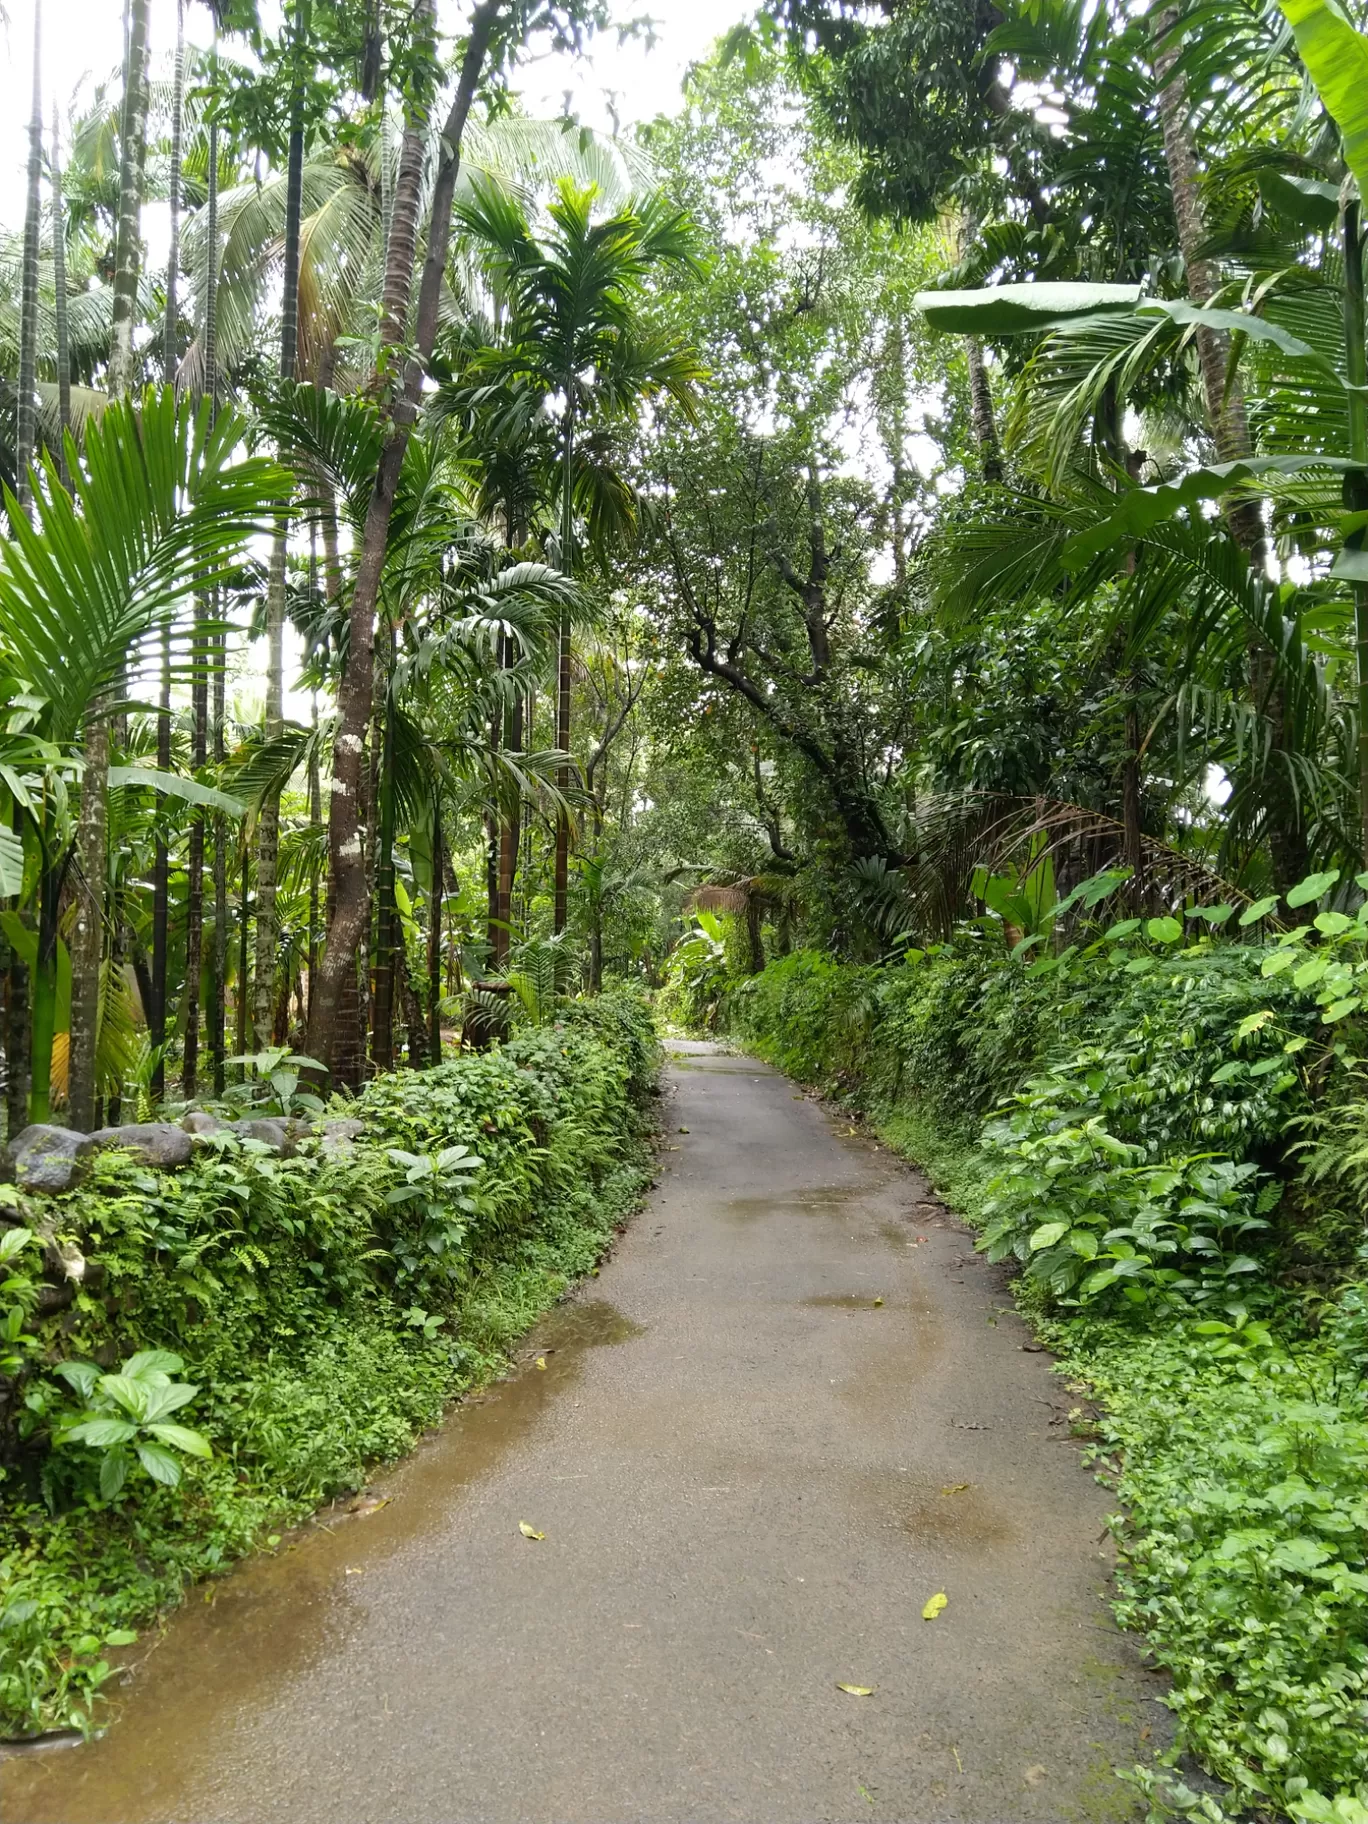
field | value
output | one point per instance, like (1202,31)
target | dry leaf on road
(934,1607)
(857,1690)
(529,1532)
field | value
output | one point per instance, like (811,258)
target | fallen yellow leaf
(541,1361)
(530,1532)
(934,1607)
(954,1488)
(857,1690)
(878,1301)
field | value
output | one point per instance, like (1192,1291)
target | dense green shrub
(324,1307)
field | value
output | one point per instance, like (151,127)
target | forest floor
(793,1408)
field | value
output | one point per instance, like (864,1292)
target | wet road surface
(751,1475)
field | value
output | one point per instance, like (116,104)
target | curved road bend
(740,1461)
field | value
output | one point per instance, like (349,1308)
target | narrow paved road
(792,1409)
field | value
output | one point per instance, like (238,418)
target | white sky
(83,42)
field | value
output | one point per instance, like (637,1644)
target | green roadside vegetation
(1161,1130)
(301,1318)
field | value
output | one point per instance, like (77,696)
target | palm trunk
(87,937)
(561,890)
(87,947)
(194,891)
(45,991)
(329,1039)
(981,412)
(170,332)
(382,1034)
(1356,482)
(218,985)
(172,321)
(1229,425)
(268,823)
(60,312)
(315,823)
(156,1013)
(16,1029)
(132,160)
(28,329)
(434,955)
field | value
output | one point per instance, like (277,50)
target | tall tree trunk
(87,946)
(218,972)
(170,333)
(561,885)
(218,985)
(60,312)
(1356,481)
(328,1034)
(27,409)
(315,823)
(156,1013)
(128,243)
(16,1028)
(194,889)
(981,412)
(45,990)
(171,324)
(87,937)
(434,954)
(382,1033)
(268,822)
(1229,425)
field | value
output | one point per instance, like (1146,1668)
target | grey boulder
(276,1131)
(336,1138)
(155,1143)
(43,1158)
(199,1124)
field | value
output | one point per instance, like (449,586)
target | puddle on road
(851,1301)
(967,1520)
(237,1641)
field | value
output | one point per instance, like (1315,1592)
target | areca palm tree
(580,337)
(159,501)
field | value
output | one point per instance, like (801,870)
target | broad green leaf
(1307,201)
(1312,887)
(162,1400)
(102,1434)
(113,1473)
(180,1437)
(1336,58)
(149,1363)
(1260,909)
(172,785)
(83,1376)
(13,1242)
(1163,930)
(159,1463)
(1009,310)
(1048,1234)
(11,863)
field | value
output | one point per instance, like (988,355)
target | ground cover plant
(1154,1125)
(250,1334)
